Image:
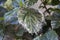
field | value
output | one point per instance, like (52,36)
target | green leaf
(21,3)
(30,19)
(50,35)
(54,9)
(8,5)
(47,2)
(55,24)
(56,20)
(51,2)
(55,2)
(30,2)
